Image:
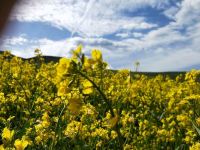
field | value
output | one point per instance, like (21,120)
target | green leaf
(198,130)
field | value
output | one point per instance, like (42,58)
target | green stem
(120,138)
(101,93)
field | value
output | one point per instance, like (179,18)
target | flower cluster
(78,103)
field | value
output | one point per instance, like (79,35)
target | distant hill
(172,75)
(46,58)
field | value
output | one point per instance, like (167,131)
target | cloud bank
(115,27)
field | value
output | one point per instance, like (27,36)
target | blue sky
(163,35)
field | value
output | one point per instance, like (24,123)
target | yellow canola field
(78,103)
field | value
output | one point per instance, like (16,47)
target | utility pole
(136,64)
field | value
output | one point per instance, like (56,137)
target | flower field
(78,103)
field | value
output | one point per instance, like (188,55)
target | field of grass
(77,103)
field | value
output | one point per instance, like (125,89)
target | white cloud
(140,25)
(123,35)
(158,55)
(189,12)
(63,48)
(129,35)
(15,40)
(136,4)
(163,37)
(137,34)
(171,12)
(90,18)
(177,60)
(172,47)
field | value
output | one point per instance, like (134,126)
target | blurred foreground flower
(20,144)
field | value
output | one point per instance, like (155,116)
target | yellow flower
(7,134)
(100,132)
(62,91)
(38,127)
(20,144)
(73,128)
(195,146)
(75,106)
(87,87)
(45,116)
(10,118)
(28,130)
(187,139)
(113,121)
(127,147)
(38,139)
(64,66)
(183,119)
(131,119)
(162,132)
(99,144)
(77,51)
(96,55)
(198,121)
(26,138)
(1,147)
(45,124)
(63,88)
(113,134)
(88,63)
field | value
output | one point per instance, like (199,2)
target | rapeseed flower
(2,147)
(75,105)
(96,55)
(87,87)
(113,121)
(64,66)
(20,144)
(195,146)
(7,134)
